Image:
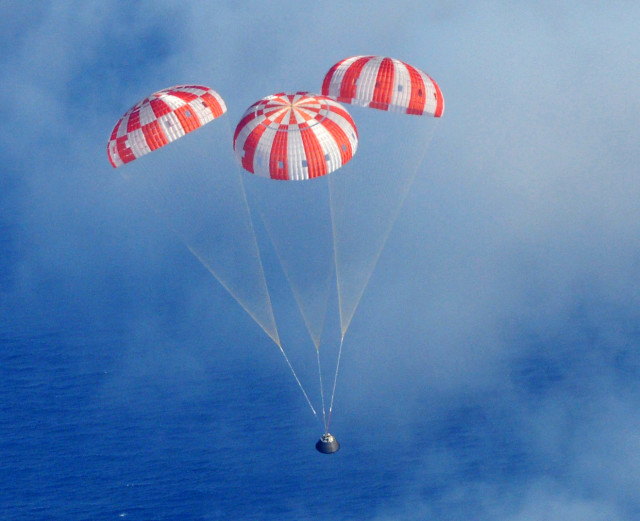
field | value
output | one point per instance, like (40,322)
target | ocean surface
(83,436)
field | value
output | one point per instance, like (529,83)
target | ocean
(85,436)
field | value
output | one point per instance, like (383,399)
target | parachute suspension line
(335,381)
(335,254)
(271,334)
(294,290)
(298,381)
(346,321)
(278,343)
(324,415)
(335,261)
(316,341)
(275,335)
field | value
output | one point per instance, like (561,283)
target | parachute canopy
(162,117)
(295,136)
(384,83)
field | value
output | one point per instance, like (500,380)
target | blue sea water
(80,440)
(84,435)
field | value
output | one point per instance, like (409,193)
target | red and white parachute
(295,136)
(161,118)
(383,83)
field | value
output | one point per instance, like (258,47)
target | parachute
(295,137)
(217,230)
(299,137)
(394,147)
(159,119)
(384,83)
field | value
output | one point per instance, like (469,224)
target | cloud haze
(500,330)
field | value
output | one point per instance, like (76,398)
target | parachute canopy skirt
(327,444)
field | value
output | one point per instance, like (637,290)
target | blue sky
(501,327)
